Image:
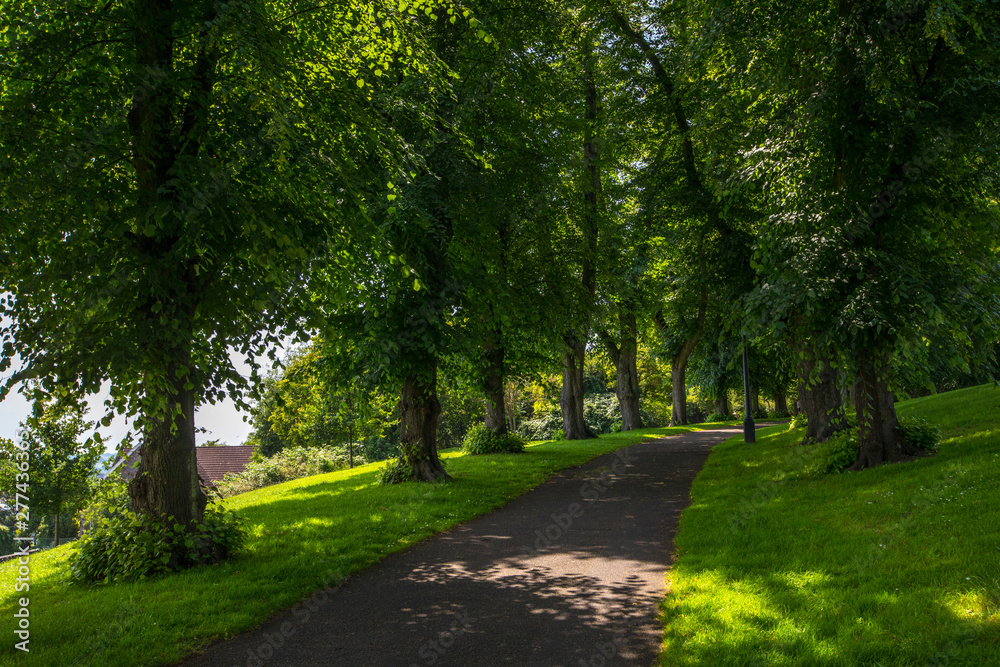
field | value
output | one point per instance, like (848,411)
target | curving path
(569,574)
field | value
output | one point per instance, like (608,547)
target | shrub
(540,428)
(125,546)
(920,433)
(798,421)
(559,434)
(482,440)
(777,414)
(601,413)
(717,417)
(395,472)
(835,454)
(290,463)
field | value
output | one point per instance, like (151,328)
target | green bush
(481,440)
(287,464)
(798,421)
(920,433)
(601,413)
(717,417)
(395,472)
(835,454)
(124,546)
(558,434)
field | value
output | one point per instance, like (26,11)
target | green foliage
(482,440)
(287,464)
(918,432)
(601,412)
(305,404)
(543,427)
(798,421)
(558,434)
(396,471)
(837,453)
(460,411)
(717,417)
(125,546)
(52,465)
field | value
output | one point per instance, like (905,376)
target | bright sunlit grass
(899,565)
(304,534)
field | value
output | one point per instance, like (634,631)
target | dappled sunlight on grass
(303,534)
(781,565)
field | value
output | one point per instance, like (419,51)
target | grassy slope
(305,534)
(899,565)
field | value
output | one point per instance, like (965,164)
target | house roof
(213,462)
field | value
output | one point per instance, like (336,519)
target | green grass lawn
(899,565)
(304,534)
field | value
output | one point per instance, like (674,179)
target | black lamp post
(749,434)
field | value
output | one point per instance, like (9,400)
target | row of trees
(493,188)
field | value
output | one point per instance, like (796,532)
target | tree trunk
(819,396)
(722,404)
(57,529)
(754,400)
(678,368)
(628,372)
(781,403)
(880,436)
(166,482)
(496,407)
(571,397)
(419,413)
(625,359)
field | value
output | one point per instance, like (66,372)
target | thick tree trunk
(166,482)
(819,396)
(722,404)
(571,397)
(57,529)
(678,411)
(496,409)
(419,413)
(781,403)
(628,372)
(880,436)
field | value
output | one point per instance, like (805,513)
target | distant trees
(56,476)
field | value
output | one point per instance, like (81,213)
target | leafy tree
(62,465)
(168,172)
(882,195)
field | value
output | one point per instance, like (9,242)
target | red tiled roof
(213,462)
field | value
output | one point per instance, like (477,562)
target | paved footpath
(569,574)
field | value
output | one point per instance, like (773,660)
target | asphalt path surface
(569,574)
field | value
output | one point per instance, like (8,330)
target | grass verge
(304,534)
(899,565)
